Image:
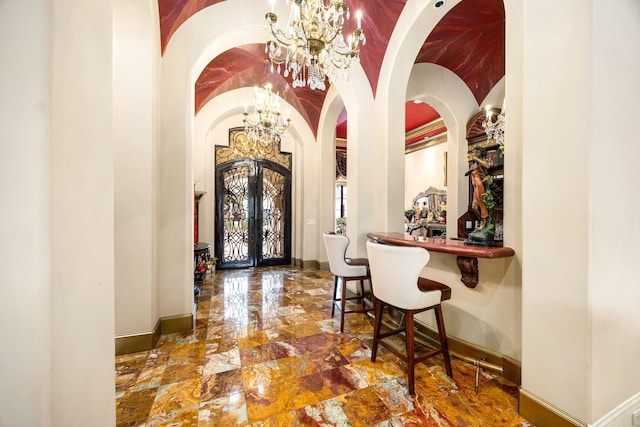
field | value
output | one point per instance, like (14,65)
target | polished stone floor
(266,352)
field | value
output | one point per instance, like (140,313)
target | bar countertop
(447,246)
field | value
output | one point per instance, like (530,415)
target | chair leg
(443,340)
(410,351)
(343,303)
(377,323)
(335,293)
(362,293)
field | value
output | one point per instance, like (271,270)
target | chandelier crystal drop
(312,47)
(265,123)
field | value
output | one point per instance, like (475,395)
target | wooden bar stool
(395,281)
(345,270)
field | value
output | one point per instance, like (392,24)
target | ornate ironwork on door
(236,214)
(274,222)
(253,206)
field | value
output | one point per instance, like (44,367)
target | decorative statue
(483,204)
(424,217)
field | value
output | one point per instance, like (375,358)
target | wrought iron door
(253,214)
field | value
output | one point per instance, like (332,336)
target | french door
(253,214)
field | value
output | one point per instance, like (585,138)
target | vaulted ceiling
(469,40)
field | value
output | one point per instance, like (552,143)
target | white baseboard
(620,416)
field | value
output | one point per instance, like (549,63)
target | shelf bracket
(468,267)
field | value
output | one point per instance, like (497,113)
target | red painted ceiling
(469,40)
(174,13)
(416,115)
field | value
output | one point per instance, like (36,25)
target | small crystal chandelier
(312,46)
(265,123)
(494,129)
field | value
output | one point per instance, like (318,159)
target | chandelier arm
(280,37)
(340,64)
(352,49)
(330,40)
(272,46)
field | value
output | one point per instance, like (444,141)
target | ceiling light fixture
(265,123)
(312,47)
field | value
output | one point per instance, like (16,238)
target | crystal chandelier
(312,47)
(494,129)
(265,122)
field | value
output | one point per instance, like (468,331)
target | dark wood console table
(201,255)
(467,254)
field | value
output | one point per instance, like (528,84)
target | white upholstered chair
(345,270)
(395,281)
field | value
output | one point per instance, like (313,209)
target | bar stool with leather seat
(395,281)
(344,270)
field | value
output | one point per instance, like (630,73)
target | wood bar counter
(467,254)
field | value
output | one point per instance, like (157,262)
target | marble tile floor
(266,352)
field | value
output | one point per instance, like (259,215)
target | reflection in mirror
(431,201)
(430,213)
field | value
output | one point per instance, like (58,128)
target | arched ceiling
(469,40)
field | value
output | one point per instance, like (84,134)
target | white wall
(364,177)
(25,228)
(331,109)
(556,335)
(423,169)
(614,287)
(82,214)
(488,315)
(580,296)
(512,209)
(136,40)
(57,228)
